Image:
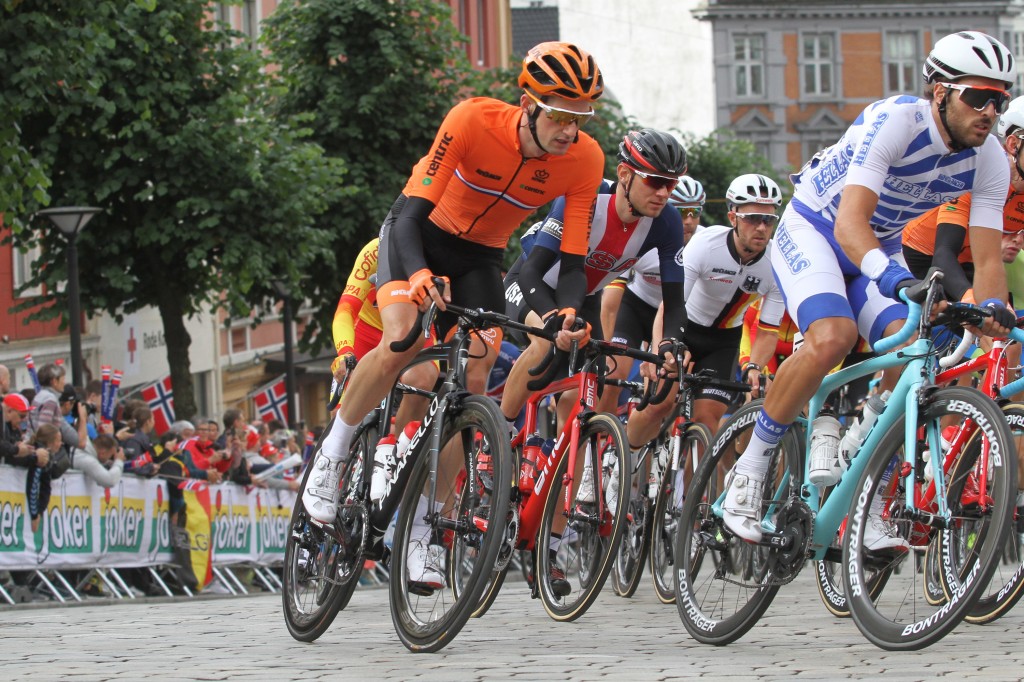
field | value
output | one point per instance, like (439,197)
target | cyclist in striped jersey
(837,250)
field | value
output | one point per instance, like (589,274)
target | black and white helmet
(1011,120)
(653,151)
(753,188)
(970,53)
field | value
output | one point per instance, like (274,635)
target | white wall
(655,56)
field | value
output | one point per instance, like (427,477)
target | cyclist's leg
(632,328)
(811,279)
(516,393)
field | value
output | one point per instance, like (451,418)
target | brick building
(791,76)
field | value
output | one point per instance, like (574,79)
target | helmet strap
(955,145)
(531,121)
(629,187)
(1016,156)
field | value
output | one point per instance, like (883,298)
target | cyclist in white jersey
(837,249)
(727,268)
(629,303)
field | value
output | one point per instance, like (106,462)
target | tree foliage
(157,120)
(717,159)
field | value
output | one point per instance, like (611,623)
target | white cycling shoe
(741,510)
(321,495)
(426,564)
(881,535)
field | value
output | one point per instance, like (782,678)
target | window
(222,13)
(817,55)
(811,144)
(1015,41)
(748,55)
(239,339)
(464,17)
(902,62)
(24,268)
(250,21)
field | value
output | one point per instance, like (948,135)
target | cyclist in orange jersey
(490,166)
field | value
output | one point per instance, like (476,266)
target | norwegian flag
(160,398)
(272,402)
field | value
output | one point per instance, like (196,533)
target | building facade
(791,76)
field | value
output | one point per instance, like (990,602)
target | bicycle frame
(919,369)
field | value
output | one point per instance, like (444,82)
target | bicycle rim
(589,541)
(628,568)
(669,508)
(902,617)
(460,544)
(722,588)
(319,572)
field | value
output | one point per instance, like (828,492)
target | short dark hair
(231,416)
(105,441)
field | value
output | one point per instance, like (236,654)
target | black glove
(1002,315)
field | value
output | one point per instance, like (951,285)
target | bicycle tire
(901,618)
(1007,583)
(428,620)
(628,568)
(668,507)
(707,590)
(309,613)
(590,542)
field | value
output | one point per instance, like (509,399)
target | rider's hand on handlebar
(667,350)
(1002,321)
(566,335)
(423,290)
(751,375)
(339,368)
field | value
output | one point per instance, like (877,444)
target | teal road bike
(719,600)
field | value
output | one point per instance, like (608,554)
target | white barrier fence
(87,526)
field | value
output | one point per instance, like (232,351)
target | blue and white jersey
(895,149)
(530,236)
(615,246)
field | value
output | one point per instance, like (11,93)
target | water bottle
(402,448)
(945,440)
(856,434)
(383,465)
(531,455)
(824,469)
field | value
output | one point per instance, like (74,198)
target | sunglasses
(978,98)
(768,219)
(656,182)
(689,212)
(563,117)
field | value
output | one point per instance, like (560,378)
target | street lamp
(70,220)
(282,290)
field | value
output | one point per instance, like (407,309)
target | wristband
(749,366)
(874,264)
(992,302)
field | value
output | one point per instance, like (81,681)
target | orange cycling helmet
(563,70)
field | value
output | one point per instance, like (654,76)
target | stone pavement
(636,639)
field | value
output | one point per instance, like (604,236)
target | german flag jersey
(483,188)
(718,287)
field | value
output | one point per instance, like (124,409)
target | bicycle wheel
(720,599)
(628,568)
(901,617)
(456,547)
(322,565)
(829,580)
(585,551)
(1007,583)
(668,508)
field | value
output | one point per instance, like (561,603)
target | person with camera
(106,466)
(138,446)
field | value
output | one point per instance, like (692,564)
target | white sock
(554,541)
(339,438)
(420,531)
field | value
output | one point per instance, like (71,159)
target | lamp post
(282,290)
(70,220)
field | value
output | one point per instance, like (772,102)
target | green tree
(162,128)
(376,79)
(718,158)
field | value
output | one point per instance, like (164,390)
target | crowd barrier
(86,526)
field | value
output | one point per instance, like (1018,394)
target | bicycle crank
(787,547)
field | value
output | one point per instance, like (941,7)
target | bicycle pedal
(421,589)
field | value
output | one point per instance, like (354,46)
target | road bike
(469,431)
(572,535)
(664,465)
(973,503)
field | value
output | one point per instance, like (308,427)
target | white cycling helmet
(1012,118)
(753,188)
(688,192)
(970,53)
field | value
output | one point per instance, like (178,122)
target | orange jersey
(482,187)
(359,291)
(919,234)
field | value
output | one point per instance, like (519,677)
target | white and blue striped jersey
(894,148)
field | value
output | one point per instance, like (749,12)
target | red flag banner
(160,397)
(272,401)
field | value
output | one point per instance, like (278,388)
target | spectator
(73,427)
(14,449)
(5,380)
(45,439)
(94,407)
(138,447)
(46,402)
(234,427)
(202,460)
(173,470)
(183,428)
(106,466)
